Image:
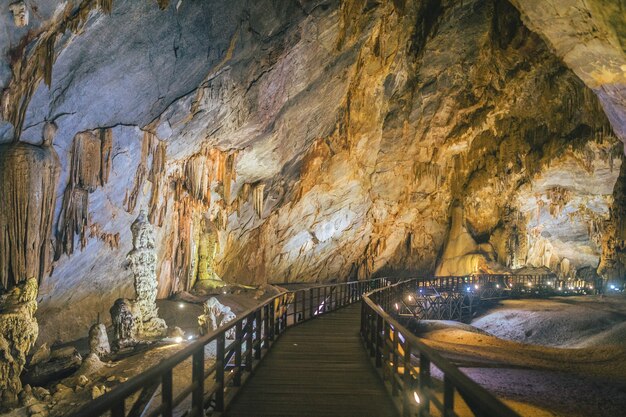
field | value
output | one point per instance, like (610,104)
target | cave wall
(325,140)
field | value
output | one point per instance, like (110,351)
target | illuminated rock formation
(142,260)
(28,175)
(215,316)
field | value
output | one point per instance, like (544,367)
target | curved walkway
(319,368)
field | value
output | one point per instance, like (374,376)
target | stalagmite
(126,320)
(98,340)
(28,175)
(143,262)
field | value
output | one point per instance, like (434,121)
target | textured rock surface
(323,139)
(143,263)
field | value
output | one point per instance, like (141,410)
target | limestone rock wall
(322,139)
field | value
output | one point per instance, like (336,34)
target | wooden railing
(406,363)
(255,331)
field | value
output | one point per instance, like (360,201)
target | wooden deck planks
(319,368)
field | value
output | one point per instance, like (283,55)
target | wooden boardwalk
(319,368)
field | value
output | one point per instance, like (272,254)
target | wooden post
(407,394)
(448,397)
(166,393)
(219,371)
(249,339)
(424,384)
(394,360)
(379,340)
(259,342)
(197,376)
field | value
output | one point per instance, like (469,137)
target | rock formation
(142,260)
(28,175)
(208,243)
(99,340)
(324,139)
(126,321)
(215,316)
(462,255)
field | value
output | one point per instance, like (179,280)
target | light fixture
(416,397)
(181,305)
(397,306)
(190,337)
(178,339)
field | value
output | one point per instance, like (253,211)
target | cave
(179,173)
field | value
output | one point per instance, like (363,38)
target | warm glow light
(497,285)
(416,397)
(397,306)
(178,339)
(181,305)
(476,286)
(410,298)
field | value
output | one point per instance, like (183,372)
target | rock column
(142,261)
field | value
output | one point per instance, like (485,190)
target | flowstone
(143,262)
(207,249)
(215,316)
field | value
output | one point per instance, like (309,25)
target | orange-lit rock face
(327,141)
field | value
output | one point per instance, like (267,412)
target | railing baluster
(238,343)
(167,393)
(258,341)
(407,394)
(424,384)
(379,340)
(311,303)
(197,376)
(448,397)
(118,409)
(394,359)
(249,339)
(219,371)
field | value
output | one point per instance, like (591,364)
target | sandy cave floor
(564,356)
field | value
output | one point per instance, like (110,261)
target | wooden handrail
(376,321)
(258,326)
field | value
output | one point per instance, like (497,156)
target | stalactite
(106,6)
(147,146)
(48,59)
(106,146)
(112,240)
(90,162)
(229,175)
(74,220)
(199,175)
(85,161)
(257,198)
(157,177)
(28,175)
